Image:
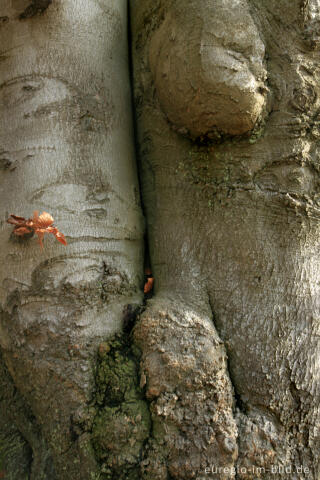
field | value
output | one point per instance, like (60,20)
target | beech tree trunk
(66,148)
(227,104)
(215,375)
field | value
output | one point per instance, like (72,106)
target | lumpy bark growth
(227,104)
(208,70)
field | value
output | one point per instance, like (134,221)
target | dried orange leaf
(15,220)
(42,221)
(38,224)
(148,286)
(61,238)
(40,235)
(16,217)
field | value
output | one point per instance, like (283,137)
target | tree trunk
(219,378)
(67,148)
(227,103)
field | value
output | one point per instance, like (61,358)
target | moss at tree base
(122,422)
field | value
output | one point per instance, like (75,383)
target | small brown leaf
(15,220)
(42,221)
(40,235)
(39,224)
(59,236)
(148,286)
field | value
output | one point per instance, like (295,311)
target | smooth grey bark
(66,147)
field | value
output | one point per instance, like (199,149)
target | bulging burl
(207,62)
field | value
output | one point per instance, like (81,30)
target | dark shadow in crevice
(37,7)
(239,404)
(147,258)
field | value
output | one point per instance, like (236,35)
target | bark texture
(219,378)
(66,147)
(227,108)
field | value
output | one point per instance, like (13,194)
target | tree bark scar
(37,7)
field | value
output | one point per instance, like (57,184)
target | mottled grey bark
(227,109)
(66,147)
(220,376)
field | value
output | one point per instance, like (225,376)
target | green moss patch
(122,422)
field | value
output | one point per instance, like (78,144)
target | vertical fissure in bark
(238,404)
(147,258)
(134,120)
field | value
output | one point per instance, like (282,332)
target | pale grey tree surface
(66,143)
(217,375)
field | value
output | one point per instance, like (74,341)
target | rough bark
(219,376)
(66,147)
(227,106)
